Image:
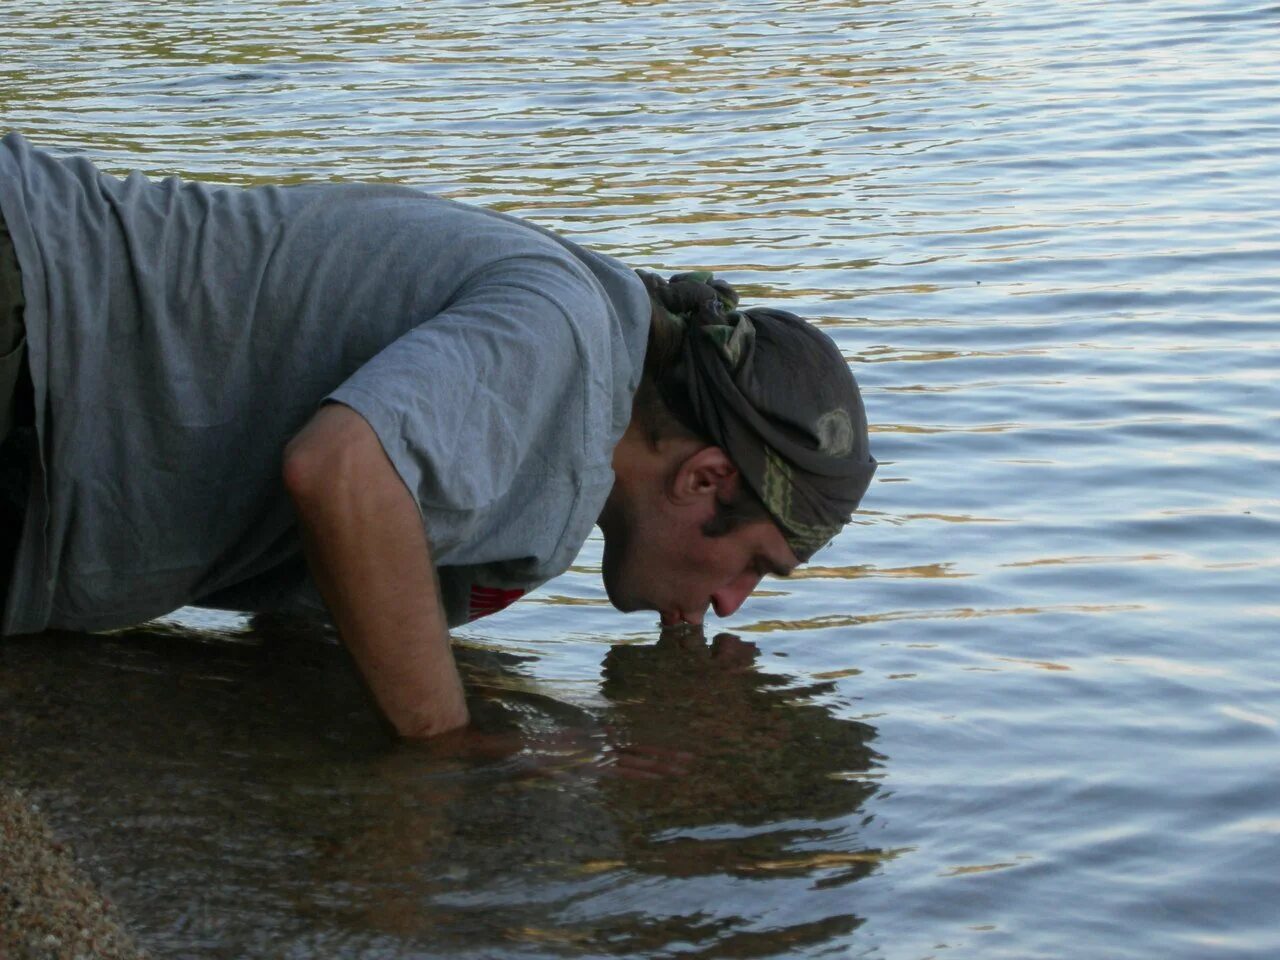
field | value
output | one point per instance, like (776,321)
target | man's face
(662,561)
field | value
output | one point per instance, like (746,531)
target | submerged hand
(564,753)
(642,762)
(470,743)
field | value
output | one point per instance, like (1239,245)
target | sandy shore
(48,908)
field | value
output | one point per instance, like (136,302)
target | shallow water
(1026,706)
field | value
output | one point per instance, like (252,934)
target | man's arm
(369,555)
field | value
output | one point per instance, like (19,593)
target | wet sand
(49,910)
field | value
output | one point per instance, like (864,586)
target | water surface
(1027,705)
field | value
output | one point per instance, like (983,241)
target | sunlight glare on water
(1027,705)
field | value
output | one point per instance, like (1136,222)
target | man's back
(181,333)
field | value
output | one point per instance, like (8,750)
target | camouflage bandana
(775,394)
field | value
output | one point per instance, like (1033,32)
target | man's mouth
(675,617)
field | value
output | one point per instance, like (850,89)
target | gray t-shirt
(180,333)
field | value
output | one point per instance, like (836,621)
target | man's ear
(706,473)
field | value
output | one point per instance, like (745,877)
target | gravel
(49,910)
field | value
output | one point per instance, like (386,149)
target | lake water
(1026,706)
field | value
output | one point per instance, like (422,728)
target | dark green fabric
(775,394)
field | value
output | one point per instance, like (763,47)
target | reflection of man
(764,752)
(427,404)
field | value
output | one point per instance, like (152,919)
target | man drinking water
(395,408)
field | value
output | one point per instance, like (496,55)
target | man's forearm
(371,560)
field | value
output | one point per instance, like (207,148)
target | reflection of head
(768,388)
(763,754)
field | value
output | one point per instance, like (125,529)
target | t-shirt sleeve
(470,398)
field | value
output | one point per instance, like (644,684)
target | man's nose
(730,597)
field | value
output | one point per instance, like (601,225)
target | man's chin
(630,604)
(620,599)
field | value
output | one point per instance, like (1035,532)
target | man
(425,405)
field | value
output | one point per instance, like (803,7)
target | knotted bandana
(774,393)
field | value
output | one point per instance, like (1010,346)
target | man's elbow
(332,450)
(302,468)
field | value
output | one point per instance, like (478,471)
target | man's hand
(565,754)
(369,555)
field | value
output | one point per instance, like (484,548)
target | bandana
(774,393)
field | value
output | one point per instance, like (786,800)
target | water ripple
(1044,235)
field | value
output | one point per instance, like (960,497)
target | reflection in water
(239,791)
(928,571)
(1055,220)
(763,751)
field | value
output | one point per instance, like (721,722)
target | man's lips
(673,618)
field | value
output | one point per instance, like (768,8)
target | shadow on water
(236,795)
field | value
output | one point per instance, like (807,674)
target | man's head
(747,452)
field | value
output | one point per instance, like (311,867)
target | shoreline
(49,908)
